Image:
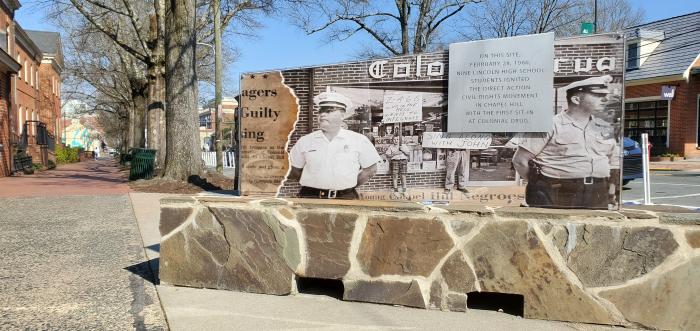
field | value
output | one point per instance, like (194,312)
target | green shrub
(67,154)
(37,166)
(50,164)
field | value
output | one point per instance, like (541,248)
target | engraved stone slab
(402,246)
(457,274)
(395,293)
(509,257)
(606,256)
(328,237)
(693,238)
(669,301)
(172,217)
(195,255)
(228,250)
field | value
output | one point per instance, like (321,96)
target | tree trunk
(156,84)
(183,157)
(217,81)
(139,120)
(131,129)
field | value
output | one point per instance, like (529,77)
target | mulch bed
(210,181)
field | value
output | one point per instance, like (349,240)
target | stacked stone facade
(632,268)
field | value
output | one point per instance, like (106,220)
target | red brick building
(9,67)
(49,81)
(29,91)
(664,53)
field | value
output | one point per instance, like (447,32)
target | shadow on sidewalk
(148,270)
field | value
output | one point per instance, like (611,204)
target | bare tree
(137,27)
(104,77)
(614,15)
(505,18)
(182,158)
(400,27)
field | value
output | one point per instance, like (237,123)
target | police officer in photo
(570,166)
(331,162)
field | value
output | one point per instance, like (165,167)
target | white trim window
(20,112)
(697,123)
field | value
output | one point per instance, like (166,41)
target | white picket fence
(228,158)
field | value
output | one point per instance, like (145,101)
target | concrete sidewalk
(206,309)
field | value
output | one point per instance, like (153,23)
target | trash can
(142,163)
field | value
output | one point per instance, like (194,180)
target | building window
(697,123)
(633,56)
(5,42)
(649,117)
(26,71)
(20,112)
(19,60)
(31,75)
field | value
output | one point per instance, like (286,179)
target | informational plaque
(456,140)
(401,107)
(501,85)
(268,112)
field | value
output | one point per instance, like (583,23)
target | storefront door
(649,117)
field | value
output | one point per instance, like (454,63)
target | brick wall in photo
(314,80)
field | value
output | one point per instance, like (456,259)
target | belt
(584,180)
(326,194)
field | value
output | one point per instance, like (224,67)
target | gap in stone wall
(512,304)
(317,286)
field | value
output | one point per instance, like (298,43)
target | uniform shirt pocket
(567,143)
(314,159)
(603,146)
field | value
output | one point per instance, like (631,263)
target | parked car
(632,161)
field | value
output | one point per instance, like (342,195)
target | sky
(280,45)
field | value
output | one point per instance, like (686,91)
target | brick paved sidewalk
(93,177)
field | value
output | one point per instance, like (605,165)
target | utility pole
(217,85)
(595,16)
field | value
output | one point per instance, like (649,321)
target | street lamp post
(217,84)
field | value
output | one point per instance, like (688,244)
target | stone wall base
(631,268)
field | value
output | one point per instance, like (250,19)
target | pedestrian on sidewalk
(96,152)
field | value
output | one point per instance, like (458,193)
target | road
(680,188)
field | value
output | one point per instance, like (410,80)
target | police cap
(332,99)
(590,85)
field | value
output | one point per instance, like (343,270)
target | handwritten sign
(400,107)
(456,140)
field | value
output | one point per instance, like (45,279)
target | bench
(23,163)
